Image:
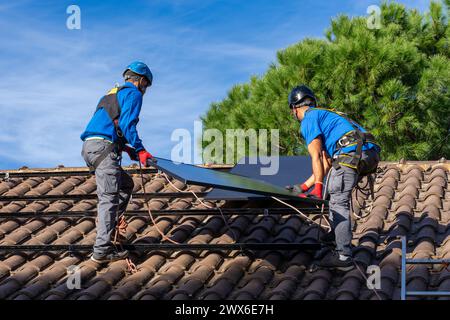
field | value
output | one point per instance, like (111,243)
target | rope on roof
(164,212)
(79,197)
(165,246)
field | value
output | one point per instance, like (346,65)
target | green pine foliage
(393,80)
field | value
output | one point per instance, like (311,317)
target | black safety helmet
(298,95)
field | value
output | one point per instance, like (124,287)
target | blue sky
(52,77)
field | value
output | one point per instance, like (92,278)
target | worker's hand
(131,153)
(144,156)
(316,193)
(302,188)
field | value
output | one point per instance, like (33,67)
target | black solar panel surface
(206,177)
(291,170)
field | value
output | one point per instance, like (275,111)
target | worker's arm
(129,118)
(312,133)
(318,159)
(315,151)
(326,162)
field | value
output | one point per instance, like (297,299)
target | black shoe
(109,257)
(337,261)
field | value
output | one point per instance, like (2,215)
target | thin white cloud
(58,77)
(52,78)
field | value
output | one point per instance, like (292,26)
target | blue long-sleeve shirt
(331,127)
(101,125)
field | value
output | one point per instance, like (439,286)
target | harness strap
(110,103)
(360,138)
(358,153)
(351,161)
(102,157)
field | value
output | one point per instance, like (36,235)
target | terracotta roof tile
(410,199)
(350,286)
(9,184)
(382,201)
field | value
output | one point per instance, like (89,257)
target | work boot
(337,261)
(109,257)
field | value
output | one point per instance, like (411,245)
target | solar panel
(291,170)
(206,177)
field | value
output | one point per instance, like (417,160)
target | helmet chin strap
(296,116)
(141,88)
(306,110)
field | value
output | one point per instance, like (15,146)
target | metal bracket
(6,177)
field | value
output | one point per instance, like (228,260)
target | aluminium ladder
(404,292)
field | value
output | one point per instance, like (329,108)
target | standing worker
(341,146)
(111,128)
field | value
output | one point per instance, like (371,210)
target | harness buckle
(344,141)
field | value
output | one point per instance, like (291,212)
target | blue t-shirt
(331,127)
(130,101)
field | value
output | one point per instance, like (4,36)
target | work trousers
(114,189)
(340,185)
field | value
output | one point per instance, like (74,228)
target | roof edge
(401,164)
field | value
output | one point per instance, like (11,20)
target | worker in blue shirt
(345,151)
(111,130)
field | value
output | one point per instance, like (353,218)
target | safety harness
(110,104)
(354,137)
(353,160)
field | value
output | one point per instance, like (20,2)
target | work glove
(298,188)
(144,156)
(131,153)
(316,193)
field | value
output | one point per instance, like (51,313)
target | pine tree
(393,80)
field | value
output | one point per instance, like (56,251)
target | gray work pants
(340,185)
(114,188)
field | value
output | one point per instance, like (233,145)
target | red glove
(144,156)
(299,189)
(304,187)
(316,192)
(131,153)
